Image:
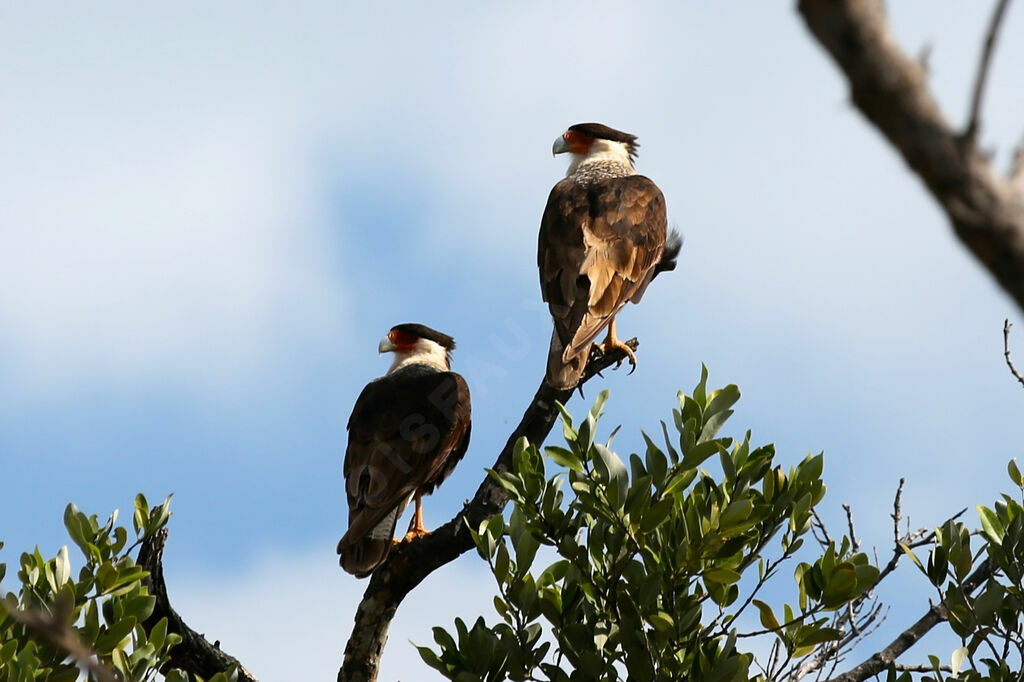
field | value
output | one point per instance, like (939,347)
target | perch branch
(1016,173)
(410,562)
(194,654)
(971,133)
(890,90)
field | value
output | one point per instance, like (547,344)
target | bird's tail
(363,550)
(564,374)
(362,556)
(673,244)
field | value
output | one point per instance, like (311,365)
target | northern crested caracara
(408,430)
(602,240)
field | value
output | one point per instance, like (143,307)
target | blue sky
(209,215)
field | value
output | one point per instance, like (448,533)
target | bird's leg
(612,343)
(416,529)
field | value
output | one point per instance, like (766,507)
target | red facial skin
(579,143)
(403,341)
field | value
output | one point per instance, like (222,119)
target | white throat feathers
(425,352)
(606,158)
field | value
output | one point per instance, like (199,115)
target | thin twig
(1006,351)
(897,511)
(853,533)
(971,133)
(817,525)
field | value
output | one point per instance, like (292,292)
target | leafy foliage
(651,557)
(57,622)
(982,589)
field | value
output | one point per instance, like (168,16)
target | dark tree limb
(1016,172)
(194,654)
(410,562)
(1006,351)
(971,133)
(890,89)
(906,639)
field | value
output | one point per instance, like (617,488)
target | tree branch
(906,639)
(1016,172)
(971,132)
(194,654)
(55,629)
(410,562)
(1006,351)
(986,212)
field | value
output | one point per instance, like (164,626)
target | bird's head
(417,344)
(596,142)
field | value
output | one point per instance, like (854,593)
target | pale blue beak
(560,146)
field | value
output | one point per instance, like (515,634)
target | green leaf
(678,480)
(735,513)
(725,576)
(564,457)
(841,585)
(114,636)
(612,470)
(819,635)
(913,557)
(141,515)
(768,619)
(717,412)
(657,463)
(991,525)
(1014,472)
(699,453)
(661,621)
(599,402)
(158,634)
(699,391)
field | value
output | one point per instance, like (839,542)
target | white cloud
(158,190)
(191,259)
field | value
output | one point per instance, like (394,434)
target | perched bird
(408,430)
(602,240)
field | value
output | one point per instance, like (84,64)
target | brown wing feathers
(407,432)
(598,247)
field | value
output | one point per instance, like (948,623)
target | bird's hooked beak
(385,345)
(560,146)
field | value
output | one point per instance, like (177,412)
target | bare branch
(853,533)
(890,89)
(971,132)
(56,630)
(194,654)
(410,562)
(1016,174)
(897,511)
(819,530)
(1006,351)
(921,668)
